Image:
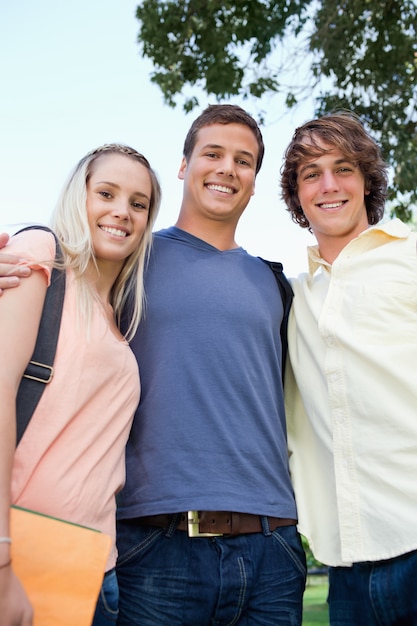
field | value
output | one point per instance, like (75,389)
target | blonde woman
(70,461)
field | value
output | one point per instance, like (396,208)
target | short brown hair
(223,114)
(345,131)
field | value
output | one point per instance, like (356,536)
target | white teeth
(220,188)
(114,231)
(333,205)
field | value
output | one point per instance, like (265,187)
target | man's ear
(183,167)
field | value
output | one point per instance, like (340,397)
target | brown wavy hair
(345,131)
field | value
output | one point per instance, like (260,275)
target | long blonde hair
(70,223)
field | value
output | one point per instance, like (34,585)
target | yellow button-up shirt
(353,352)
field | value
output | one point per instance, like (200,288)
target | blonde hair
(70,223)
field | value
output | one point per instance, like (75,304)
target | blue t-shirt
(209,433)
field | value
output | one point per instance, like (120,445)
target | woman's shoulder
(34,244)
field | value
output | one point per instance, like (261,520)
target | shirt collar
(394,228)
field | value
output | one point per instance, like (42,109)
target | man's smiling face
(219,177)
(331,191)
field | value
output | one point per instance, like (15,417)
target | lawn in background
(315,606)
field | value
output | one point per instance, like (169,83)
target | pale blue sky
(72,78)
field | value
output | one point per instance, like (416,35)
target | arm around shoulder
(9,270)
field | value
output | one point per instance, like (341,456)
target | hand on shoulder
(9,270)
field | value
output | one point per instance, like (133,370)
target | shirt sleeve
(36,248)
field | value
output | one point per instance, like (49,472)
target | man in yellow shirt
(351,390)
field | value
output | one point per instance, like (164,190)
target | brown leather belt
(215,523)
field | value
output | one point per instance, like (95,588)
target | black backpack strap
(40,368)
(287,295)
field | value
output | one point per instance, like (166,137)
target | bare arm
(20,313)
(10,272)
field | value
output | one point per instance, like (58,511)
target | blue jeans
(107,608)
(168,578)
(383,593)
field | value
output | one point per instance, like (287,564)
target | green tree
(312,562)
(354,54)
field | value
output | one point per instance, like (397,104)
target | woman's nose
(121,209)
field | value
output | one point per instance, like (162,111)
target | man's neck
(331,247)
(330,252)
(217,234)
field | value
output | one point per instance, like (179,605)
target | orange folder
(61,566)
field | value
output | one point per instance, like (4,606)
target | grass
(315,606)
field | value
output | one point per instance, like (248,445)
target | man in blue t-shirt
(207,518)
(208,450)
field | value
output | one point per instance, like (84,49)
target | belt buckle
(193,524)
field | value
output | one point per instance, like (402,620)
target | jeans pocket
(290,540)
(107,609)
(134,539)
